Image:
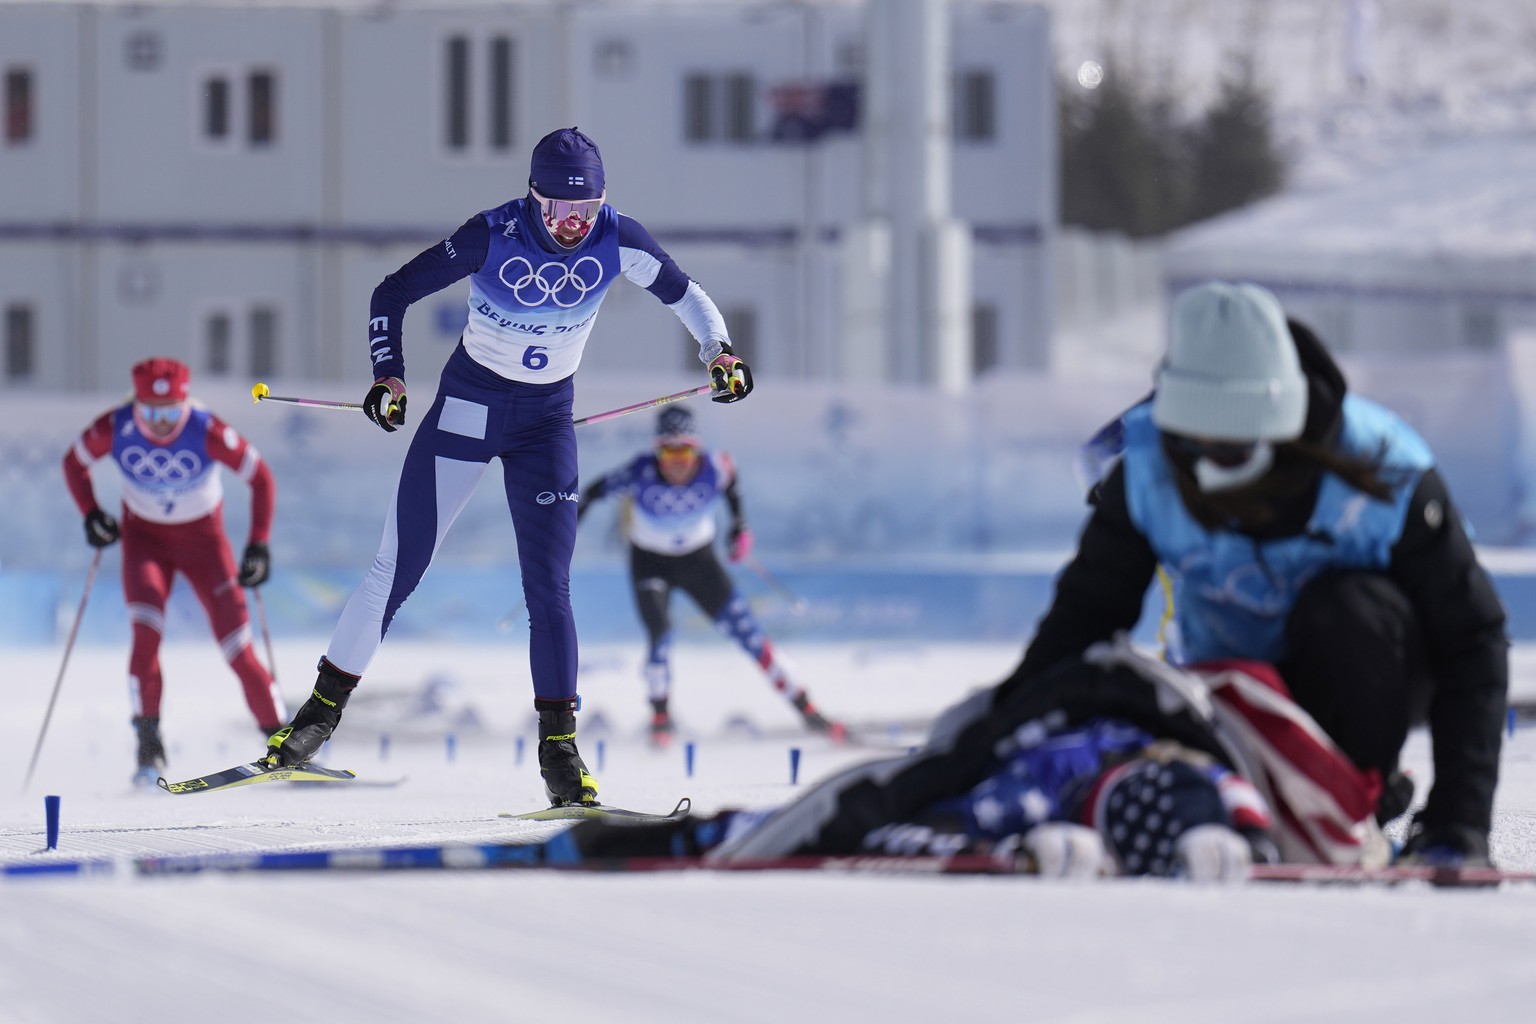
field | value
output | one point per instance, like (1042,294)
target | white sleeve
(698,313)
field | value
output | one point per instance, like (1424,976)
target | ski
(551,856)
(602,812)
(256,771)
(1354,874)
(524,856)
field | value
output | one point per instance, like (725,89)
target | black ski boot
(299,740)
(151,750)
(566,779)
(1396,797)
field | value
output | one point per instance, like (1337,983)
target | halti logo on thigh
(550,497)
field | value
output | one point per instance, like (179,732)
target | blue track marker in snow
(51,814)
(794,765)
(450,744)
(384,746)
(517,757)
(97,866)
(602,750)
(688,759)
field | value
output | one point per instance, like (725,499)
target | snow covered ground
(522,946)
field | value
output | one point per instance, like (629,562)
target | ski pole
(639,406)
(261,393)
(266,634)
(69,645)
(796,602)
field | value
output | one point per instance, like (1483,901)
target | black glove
(1445,846)
(255,565)
(100,529)
(385,403)
(732,378)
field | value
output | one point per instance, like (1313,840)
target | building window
(1480,327)
(986,338)
(719,107)
(484,100)
(698,101)
(217,345)
(216,108)
(741,325)
(20,342)
(613,57)
(976,106)
(850,58)
(262,103)
(458,93)
(740,108)
(18,105)
(141,51)
(232,103)
(501,84)
(263,350)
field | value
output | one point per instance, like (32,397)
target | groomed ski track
(487,945)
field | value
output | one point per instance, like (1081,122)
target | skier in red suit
(168,450)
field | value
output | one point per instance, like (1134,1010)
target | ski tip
(163,784)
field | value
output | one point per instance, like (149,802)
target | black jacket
(1100,592)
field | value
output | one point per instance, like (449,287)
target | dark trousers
(1355,661)
(697,573)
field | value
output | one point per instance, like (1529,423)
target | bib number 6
(535,358)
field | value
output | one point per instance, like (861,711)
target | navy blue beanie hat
(674,425)
(566,165)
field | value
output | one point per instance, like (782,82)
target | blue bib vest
(1232,594)
(158,479)
(530,310)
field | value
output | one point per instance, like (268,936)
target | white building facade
(227,184)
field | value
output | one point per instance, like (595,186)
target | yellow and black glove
(731,378)
(385,403)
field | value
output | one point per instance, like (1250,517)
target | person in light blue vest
(1309,528)
(539,267)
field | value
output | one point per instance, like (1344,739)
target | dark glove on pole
(255,565)
(101,530)
(385,403)
(730,377)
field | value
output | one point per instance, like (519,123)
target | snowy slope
(517,946)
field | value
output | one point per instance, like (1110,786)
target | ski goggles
(1222,453)
(575,213)
(677,451)
(1224,465)
(160,416)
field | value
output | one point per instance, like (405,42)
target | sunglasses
(1222,453)
(160,415)
(561,211)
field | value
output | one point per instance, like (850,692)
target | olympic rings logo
(160,466)
(565,286)
(664,500)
